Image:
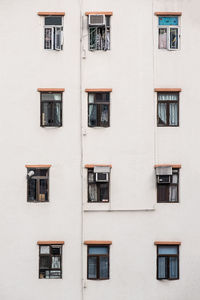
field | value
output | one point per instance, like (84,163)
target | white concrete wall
(26,66)
(132,144)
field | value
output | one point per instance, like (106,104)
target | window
(168,32)
(98,109)
(99,32)
(168,262)
(53,32)
(168,109)
(98,184)
(51,109)
(167,185)
(50,261)
(98,262)
(38,184)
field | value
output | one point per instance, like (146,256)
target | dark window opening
(99,109)
(50,261)
(51,109)
(99,35)
(53,33)
(37,184)
(168,187)
(167,262)
(98,262)
(98,191)
(168,109)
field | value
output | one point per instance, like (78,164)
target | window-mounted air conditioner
(97,20)
(164,179)
(102,177)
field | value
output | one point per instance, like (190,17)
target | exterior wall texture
(132,144)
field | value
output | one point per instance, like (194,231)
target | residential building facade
(99,184)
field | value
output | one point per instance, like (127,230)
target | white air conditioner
(97,20)
(164,179)
(102,177)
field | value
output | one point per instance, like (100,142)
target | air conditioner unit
(164,179)
(97,20)
(102,177)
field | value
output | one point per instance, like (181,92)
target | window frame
(107,28)
(168,266)
(169,185)
(98,184)
(168,27)
(168,102)
(38,178)
(51,255)
(98,261)
(53,33)
(99,105)
(52,103)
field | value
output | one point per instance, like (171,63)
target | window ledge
(96,206)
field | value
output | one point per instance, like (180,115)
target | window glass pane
(107,39)
(92,115)
(93,38)
(48,38)
(175,178)
(55,262)
(51,96)
(57,114)
(168,97)
(44,250)
(53,20)
(90,177)
(162,42)
(91,98)
(163,192)
(92,267)
(102,97)
(43,194)
(104,114)
(47,114)
(45,262)
(98,250)
(162,267)
(107,20)
(104,192)
(100,38)
(55,274)
(92,193)
(173,38)
(173,267)
(32,189)
(167,250)
(168,20)
(103,267)
(173,193)
(173,114)
(56,250)
(162,113)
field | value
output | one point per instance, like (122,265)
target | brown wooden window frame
(50,255)
(38,178)
(167,262)
(99,108)
(175,171)
(167,103)
(52,103)
(98,256)
(98,187)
